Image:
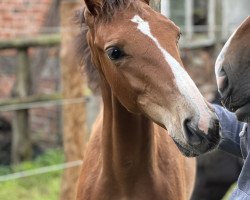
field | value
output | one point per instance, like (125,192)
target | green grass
(38,187)
(228,194)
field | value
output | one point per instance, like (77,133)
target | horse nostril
(224,84)
(222,72)
(222,81)
(191,134)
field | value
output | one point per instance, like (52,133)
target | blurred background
(46,107)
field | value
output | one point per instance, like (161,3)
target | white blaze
(184,83)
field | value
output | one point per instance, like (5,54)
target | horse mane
(83,53)
(109,7)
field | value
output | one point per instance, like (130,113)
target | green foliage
(228,194)
(38,187)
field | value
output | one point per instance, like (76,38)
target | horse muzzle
(198,142)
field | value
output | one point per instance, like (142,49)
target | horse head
(232,70)
(135,51)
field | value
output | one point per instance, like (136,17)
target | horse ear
(93,6)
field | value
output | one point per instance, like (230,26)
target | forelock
(110,7)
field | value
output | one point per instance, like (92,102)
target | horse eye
(114,53)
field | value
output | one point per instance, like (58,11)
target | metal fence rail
(39,171)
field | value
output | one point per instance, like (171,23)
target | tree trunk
(73,87)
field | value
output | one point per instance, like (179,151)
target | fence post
(211,19)
(165,8)
(21,141)
(156,5)
(74,116)
(219,19)
(189,4)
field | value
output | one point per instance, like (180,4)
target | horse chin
(185,151)
(243,113)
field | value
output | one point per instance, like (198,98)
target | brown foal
(149,105)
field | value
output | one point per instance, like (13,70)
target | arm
(230,129)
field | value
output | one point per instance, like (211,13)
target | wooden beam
(189,19)
(30,99)
(196,44)
(39,41)
(156,5)
(211,19)
(165,8)
(21,141)
(18,103)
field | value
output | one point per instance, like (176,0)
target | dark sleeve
(230,129)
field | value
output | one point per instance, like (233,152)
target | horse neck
(127,141)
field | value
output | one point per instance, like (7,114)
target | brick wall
(22,18)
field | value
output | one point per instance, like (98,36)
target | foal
(147,98)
